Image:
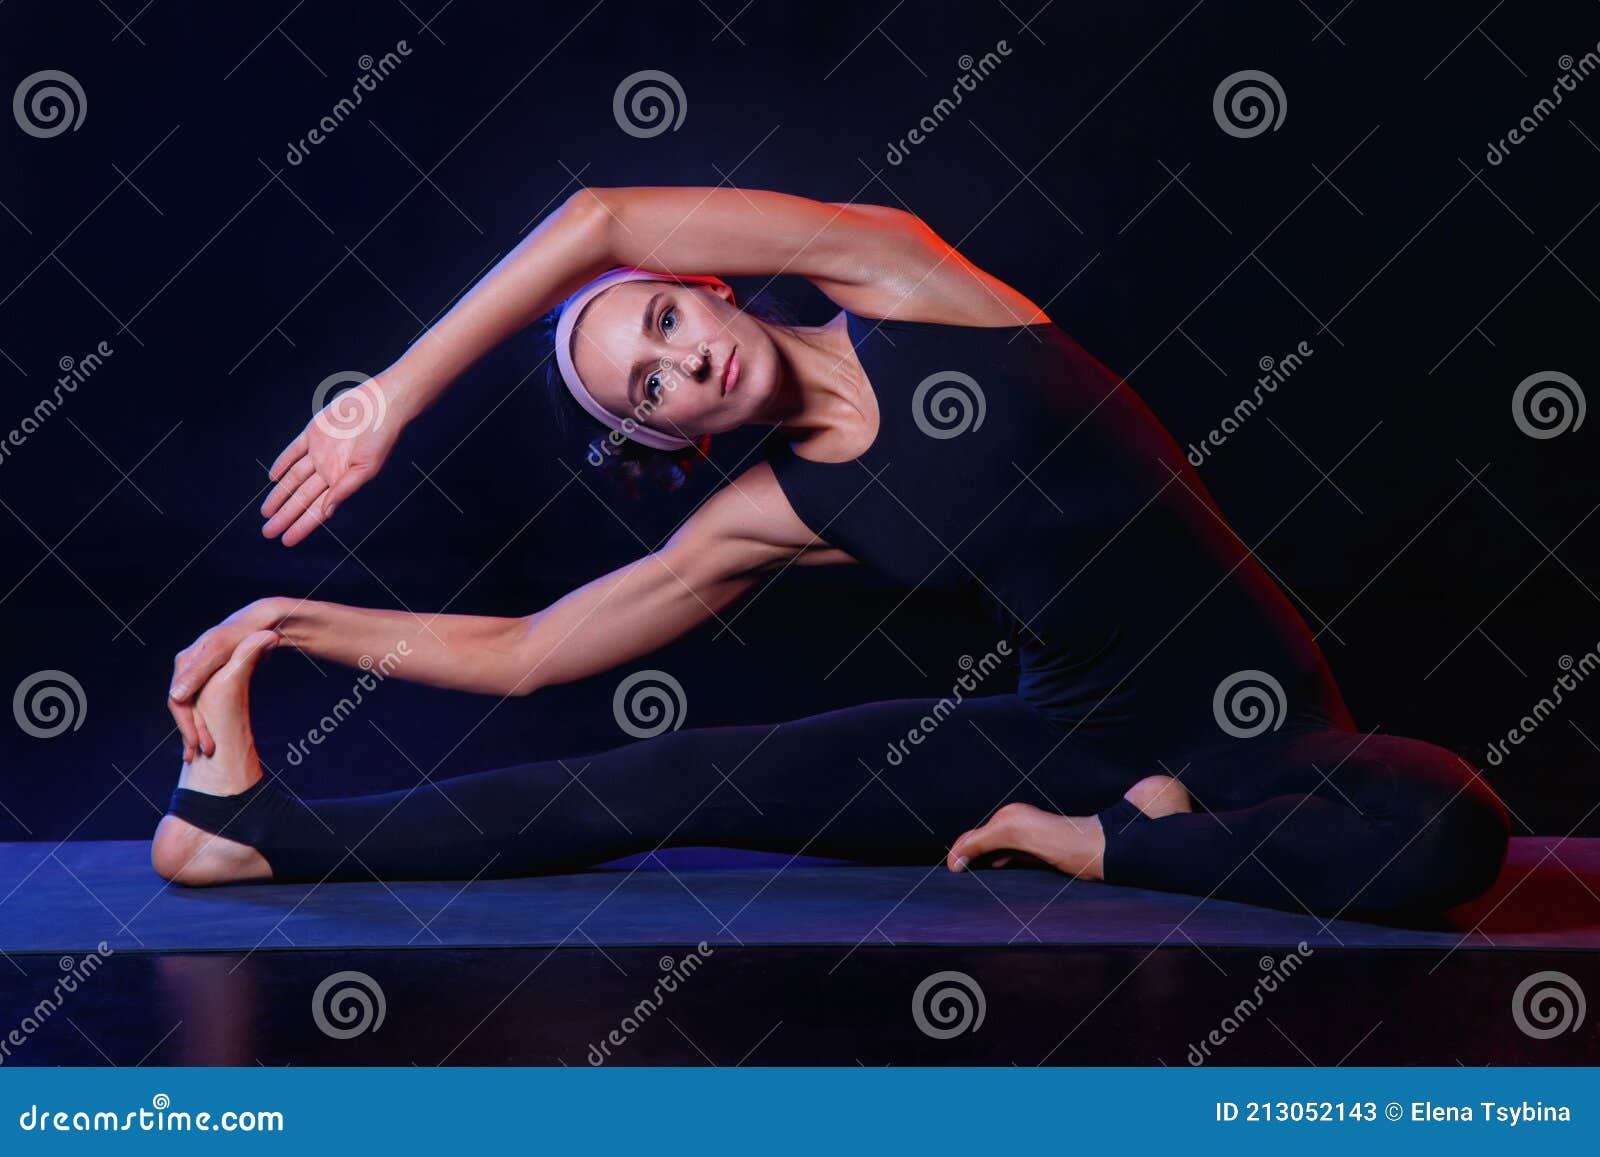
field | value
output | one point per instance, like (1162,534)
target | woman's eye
(669,321)
(652,387)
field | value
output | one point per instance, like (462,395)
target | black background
(1448,555)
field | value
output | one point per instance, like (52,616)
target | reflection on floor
(667,961)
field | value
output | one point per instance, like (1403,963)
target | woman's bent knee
(1475,833)
(1460,832)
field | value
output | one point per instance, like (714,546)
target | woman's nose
(698,363)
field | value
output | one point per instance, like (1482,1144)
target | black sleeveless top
(1011,463)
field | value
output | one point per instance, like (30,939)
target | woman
(1174,726)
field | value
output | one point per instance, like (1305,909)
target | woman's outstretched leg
(890,782)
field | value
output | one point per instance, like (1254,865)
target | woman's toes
(1159,795)
(1071,844)
(223,705)
(1000,833)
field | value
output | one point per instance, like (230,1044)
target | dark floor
(778,964)
(803,1005)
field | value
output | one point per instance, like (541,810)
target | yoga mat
(70,897)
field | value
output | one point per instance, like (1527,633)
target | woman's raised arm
(873,260)
(681,231)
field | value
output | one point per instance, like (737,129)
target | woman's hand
(344,444)
(203,658)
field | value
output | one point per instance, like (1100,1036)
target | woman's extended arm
(740,533)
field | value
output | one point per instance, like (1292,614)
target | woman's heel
(185,854)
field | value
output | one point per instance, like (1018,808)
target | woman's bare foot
(1072,844)
(182,852)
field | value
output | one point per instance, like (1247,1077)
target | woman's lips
(730,372)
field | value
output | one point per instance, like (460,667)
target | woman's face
(661,353)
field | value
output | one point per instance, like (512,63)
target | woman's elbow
(589,213)
(584,201)
(522,659)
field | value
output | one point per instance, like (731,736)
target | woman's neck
(823,389)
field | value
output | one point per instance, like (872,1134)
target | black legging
(1307,818)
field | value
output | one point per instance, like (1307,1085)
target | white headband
(631,427)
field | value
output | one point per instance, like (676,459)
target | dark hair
(632,466)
